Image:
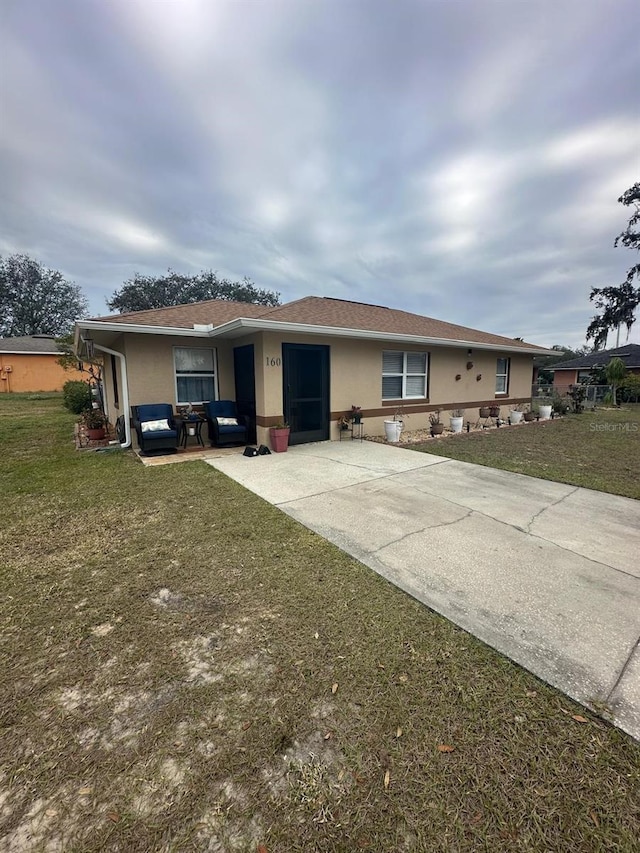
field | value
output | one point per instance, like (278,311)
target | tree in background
(619,304)
(616,372)
(562,353)
(35,300)
(147,291)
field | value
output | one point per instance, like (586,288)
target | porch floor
(189,454)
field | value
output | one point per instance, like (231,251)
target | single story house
(306,362)
(30,363)
(578,369)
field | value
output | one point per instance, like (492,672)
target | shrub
(76,396)
(630,388)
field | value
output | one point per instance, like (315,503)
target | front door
(306,391)
(245,376)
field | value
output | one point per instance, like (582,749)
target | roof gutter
(102,326)
(125,392)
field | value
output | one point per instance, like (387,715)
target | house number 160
(273,362)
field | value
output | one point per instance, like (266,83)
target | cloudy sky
(457,158)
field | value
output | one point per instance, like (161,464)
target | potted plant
(95,423)
(516,414)
(528,414)
(393,429)
(544,409)
(437,427)
(485,412)
(279,436)
(343,423)
(456,420)
(494,411)
(356,414)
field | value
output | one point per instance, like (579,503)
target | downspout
(125,391)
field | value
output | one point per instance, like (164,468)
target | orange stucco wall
(33,372)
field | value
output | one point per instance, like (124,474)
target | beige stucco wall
(151,371)
(355,377)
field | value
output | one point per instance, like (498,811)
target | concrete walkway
(546,573)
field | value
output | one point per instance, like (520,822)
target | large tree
(148,291)
(35,300)
(618,304)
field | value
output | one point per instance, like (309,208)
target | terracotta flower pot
(279,439)
(96,434)
(529,416)
(437,429)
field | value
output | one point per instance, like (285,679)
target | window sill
(400,400)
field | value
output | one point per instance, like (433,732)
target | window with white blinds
(502,375)
(404,375)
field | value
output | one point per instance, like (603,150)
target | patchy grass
(186,668)
(598,450)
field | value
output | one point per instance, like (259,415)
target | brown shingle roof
(315,311)
(322,311)
(215,311)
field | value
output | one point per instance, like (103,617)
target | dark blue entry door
(306,391)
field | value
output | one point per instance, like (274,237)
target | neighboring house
(30,363)
(306,362)
(578,369)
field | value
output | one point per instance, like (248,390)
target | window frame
(506,376)
(205,374)
(405,375)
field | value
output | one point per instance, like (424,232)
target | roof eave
(234,326)
(245,325)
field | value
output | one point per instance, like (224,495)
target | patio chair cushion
(155,426)
(226,426)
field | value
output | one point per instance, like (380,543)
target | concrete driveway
(546,573)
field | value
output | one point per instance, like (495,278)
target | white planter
(456,424)
(392,430)
(545,413)
(516,417)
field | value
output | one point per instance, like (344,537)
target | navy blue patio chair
(155,427)
(226,426)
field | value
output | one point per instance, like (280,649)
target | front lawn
(185,668)
(599,450)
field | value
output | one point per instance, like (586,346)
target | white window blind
(404,375)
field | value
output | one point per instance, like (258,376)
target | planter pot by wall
(529,416)
(392,430)
(516,417)
(485,412)
(437,429)
(96,434)
(279,440)
(494,411)
(456,424)
(545,413)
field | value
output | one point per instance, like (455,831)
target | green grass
(598,450)
(170,646)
